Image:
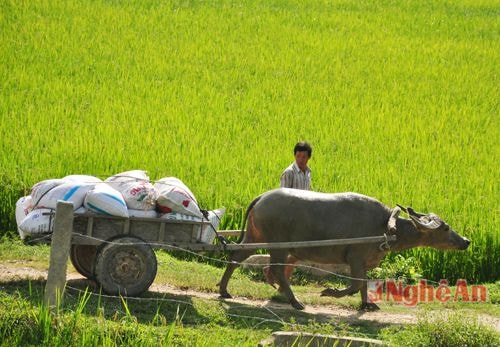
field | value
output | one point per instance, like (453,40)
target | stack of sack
(127,194)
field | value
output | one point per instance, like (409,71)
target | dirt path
(331,311)
(10,272)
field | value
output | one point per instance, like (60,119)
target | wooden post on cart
(59,253)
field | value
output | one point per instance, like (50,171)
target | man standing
(298,174)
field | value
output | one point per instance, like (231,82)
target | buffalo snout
(459,242)
(466,242)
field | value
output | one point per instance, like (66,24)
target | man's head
(303,153)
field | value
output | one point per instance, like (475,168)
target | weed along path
(11,271)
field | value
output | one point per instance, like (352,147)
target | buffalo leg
(234,261)
(291,260)
(278,271)
(358,274)
(365,305)
(358,283)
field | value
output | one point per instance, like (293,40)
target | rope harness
(391,229)
(384,246)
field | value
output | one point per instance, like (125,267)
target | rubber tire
(125,266)
(83,258)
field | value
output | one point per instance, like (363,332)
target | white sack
(40,189)
(135,188)
(180,216)
(70,192)
(215,216)
(82,179)
(127,177)
(143,213)
(23,208)
(38,221)
(207,234)
(138,195)
(81,210)
(106,200)
(175,196)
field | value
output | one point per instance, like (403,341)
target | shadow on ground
(153,307)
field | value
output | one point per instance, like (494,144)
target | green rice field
(399,100)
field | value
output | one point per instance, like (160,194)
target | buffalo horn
(391,224)
(402,208)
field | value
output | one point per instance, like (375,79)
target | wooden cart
(118,253)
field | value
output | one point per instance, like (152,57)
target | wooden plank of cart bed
(279,245)
(229,232)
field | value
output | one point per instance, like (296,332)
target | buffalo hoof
(225,295)
(369,306)
(331,292)
(297,305)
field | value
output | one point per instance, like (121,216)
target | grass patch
(450,330)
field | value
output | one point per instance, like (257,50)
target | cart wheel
(83,258)
(126,266)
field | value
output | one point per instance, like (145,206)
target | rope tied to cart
(219,237)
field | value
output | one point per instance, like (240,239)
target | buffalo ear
(425,222)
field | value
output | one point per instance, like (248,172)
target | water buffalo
(287,215)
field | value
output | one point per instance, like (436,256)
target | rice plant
(400,102)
